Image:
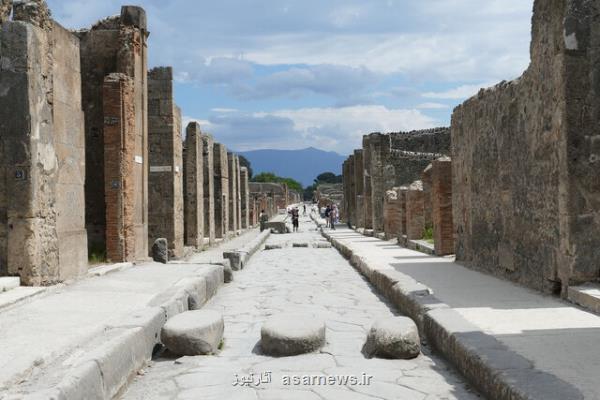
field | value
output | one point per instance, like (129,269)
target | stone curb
(102,373)
(239,258)
(495,370)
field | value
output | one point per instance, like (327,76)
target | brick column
(402,193)
(165,182)
(233,193)
(359,183)
(193,165)
(391,214)
(221,194)
(379,148)
(415,221)
(427,204)
(119,167)
(208,168)
(238,202)
(245,198)
(441,195)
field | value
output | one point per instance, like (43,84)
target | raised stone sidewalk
(86,338)
(511,342)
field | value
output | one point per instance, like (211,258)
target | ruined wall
(233,192)
(534,141)
(113,45)
(221,192)
(427,196)
(238,202)
(441,206)
(402,196)
(367,182)
(359,180)
(208,168)
(193,193)
(415,220)
(165,162)
(245,198)
(392,214)
(42,157)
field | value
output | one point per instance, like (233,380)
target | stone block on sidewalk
(160,250)
(194,333)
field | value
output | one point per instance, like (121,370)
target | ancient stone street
(309,280)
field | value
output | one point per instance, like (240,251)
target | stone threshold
(586,296)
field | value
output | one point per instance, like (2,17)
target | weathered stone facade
(114,45)
(42,154)
(415,219)
(359,191)
(441,206)
(392,215)
(232,162)
(208,146)
(245,198)
(427,197)
(165,162)
(193,178)
(221,193)
(526,193)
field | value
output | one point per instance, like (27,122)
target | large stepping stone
(393,337)
(193,333)
(290,334)
(160,250)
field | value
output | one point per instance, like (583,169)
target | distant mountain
(301,165)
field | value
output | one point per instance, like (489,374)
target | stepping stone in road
(393,337)
(322,245)
(193,333)
(160,250)
(300,244)
(291,334)
(273,246)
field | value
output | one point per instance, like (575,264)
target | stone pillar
(415,222)
(427,200)
(351,201)
(117,45)
(221,172)
(165,160)
(441,195)
(122,171)
(402,194)
(379,148)
(245,198)
(193,178)
(233,193)
(42,154)
(238,177)
(359,216)
(367,185)
(392,214)
(208,170)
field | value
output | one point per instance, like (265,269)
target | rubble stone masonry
(441,206)
(245,198)
(165,163)
(525,159)
(415,219)
(221,193)
(193,179)
(208,170)
(233,192)
(42,155)
(113,45)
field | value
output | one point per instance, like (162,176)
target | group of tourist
(331,214)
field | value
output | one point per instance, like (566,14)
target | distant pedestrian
(327,215)
(304,210)
(295,219)
(332,217)
(264,218)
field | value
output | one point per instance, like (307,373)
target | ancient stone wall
(402,196)
(359,179)
(42,155)
(113,45)
(392,215)
(427,196)
(238,200)
(165,161)
(208,169)
(221,193)
(193,180)
(441,206)
(415,221)
(246,207)
(367,189)
(525,156)
(233,192)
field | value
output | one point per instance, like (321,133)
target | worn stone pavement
(559,339)
(37,333)
(304,280)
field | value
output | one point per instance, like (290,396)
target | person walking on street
(328,215)
(264,218)
(332,217)
(295,219)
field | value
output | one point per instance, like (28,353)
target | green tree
(328,177)
(271,177)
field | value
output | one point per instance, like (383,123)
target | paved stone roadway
(318,281)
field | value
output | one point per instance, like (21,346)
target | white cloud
(223,110)
(459,93)
(337,129)
(432,106)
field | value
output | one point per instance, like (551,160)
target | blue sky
(293,74)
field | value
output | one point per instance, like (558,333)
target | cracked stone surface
(303,280)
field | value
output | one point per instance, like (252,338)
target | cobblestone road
(306,280)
